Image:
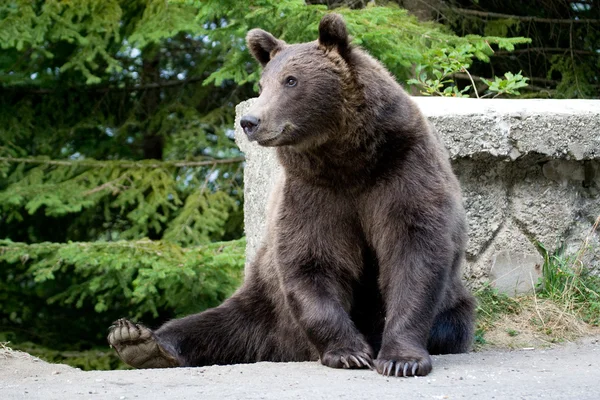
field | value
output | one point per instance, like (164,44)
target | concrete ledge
(568,372)
(530,174)
(512,128)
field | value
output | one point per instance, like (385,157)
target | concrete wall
(529,170)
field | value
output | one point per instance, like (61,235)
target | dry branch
(487,14)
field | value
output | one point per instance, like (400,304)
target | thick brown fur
(366,229)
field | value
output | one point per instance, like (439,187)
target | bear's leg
(319,260)
(415,264)
(452,331)
(409,307)
(327,323)
(318,295)
(248,327)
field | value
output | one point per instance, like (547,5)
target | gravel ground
(570,371)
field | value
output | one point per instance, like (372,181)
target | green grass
(567,282)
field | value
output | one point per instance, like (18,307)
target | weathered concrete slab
(530,174)
(566,372)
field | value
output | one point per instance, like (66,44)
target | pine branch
(96,89)
(143,276)
(123,164)
(486,14)
(152,246)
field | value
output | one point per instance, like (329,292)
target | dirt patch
(537,323)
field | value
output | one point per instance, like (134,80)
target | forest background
(121,188)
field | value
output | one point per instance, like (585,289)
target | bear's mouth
(278,139)
(268,141)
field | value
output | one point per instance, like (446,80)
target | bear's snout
(250,125)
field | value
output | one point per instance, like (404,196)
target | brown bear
(360,266)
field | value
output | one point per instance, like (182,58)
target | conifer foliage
(120,182)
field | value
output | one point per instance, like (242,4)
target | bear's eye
(290,81)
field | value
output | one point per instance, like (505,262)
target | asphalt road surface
(569,371)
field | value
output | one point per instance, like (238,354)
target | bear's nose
(249,124)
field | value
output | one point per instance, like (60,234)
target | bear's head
(303,88)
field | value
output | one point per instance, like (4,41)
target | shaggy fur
(366,230)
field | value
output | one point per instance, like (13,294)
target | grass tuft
(564,307)
(567,282)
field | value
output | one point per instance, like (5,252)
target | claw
(344,361)
(130,325)
(397,368)
(405,370)
(414,369)
(365,362)
(355,361)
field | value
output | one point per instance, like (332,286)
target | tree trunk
(152,143)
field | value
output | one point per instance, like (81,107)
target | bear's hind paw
(137,346)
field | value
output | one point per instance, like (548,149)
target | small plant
(512,332)
(507,85)
(435,76)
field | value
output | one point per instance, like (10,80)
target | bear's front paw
(347,358)
(404,365)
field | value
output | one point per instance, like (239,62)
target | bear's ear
(333,34)
(263,45)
